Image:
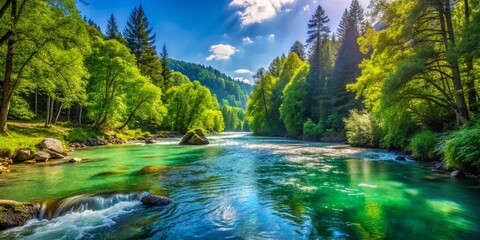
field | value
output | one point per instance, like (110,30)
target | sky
(236,37)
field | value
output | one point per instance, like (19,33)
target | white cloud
(244,71)
(221,52)
(257,11)
(271,37)
(242,79)
(247,40)
(306,8)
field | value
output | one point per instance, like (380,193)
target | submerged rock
(41,156)
(194,137)
(15,214)
(4,169)
(400,158)
(53,147)
(154,169)
(29,162)
(154,200)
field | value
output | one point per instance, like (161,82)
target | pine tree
(166,72)
(342,25)
(299,49)
(346,66)
(112,28)
(138,35)
(315,97)
(141,42)
(316,26)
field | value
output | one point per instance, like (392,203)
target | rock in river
(75,160)
(154,200)
(53,147)
(23,155)
(41,156)
(457,174)
(154,169)
(14,214)
(194,137)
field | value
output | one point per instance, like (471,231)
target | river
(243,187)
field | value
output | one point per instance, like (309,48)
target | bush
(5,152)
(422,145)
(82,134)
(362,129)
(399,127)
(461,149)
(313,131)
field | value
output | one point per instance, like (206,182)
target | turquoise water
(243,187)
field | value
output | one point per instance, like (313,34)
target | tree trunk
(472,92)
(69,112)
(80,116)
(461,105)
(36,102)
(50,117)
(131,115)
(47,118)
(58,113)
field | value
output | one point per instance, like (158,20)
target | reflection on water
(245,187)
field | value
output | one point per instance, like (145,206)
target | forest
(403,75)
(58,67)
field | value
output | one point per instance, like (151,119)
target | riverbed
(243,187)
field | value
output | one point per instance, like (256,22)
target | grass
(29,134)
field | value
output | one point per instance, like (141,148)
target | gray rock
(15,214)
(457,174)
(154,200)
(23,154)
(53,147)
(41,156)
(75,160)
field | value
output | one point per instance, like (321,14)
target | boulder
(53,147)
(23,155)
(149,140)
(400,158)
(96,142)
(75,160)
(15,214)
(154,200)
(41,156)
(194,137)
(457,174)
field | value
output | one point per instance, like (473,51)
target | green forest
(403,75)
(60,68)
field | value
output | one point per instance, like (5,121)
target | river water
(243,187)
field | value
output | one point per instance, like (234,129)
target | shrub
(461,148)
(362,129)
(313,131)
(5,152)
(82,134)
(399,127)
(422,145)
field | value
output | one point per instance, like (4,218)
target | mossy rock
(15,214)
(195,137)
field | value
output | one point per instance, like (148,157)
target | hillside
(223,86)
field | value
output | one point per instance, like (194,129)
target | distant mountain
(220,84)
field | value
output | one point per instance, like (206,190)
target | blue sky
(234,36)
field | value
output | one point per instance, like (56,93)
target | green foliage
(177,79)
(200,132)
(461,148)
(423,144)
(81,134)
(398,127)
(234,118)
(258,114)
(292,110)
(192,105)
(362,129)
(220,85)
(5,152)
(312,131)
